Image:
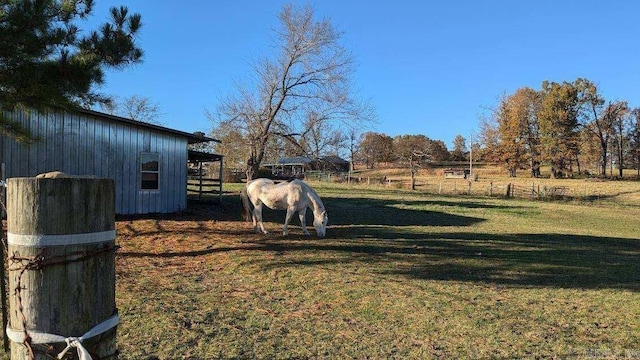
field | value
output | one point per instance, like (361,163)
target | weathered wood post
(61,237)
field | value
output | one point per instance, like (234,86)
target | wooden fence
(204,188)
(465,187)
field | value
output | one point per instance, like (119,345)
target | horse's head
(320,223)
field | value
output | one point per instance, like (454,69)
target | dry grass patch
(401,275)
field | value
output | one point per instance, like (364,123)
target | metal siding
(181,182)
(56,137)
(163,147)
(83,144)
(171,169)
(164,175)
(104,138)
(157,196)
(129,169)
(140,193)
(118,154)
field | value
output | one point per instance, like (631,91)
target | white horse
(292,196)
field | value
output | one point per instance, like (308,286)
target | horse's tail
(246,207)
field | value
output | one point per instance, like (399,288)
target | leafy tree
(410,148)
(459,148)
(310,74)
(558,117)
(45,62)
(518,129)
(437,151)
(376,148)
(413,149)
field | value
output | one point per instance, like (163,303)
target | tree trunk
(413,174)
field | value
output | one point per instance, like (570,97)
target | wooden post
(220,175)
(533,190)
(61,238)
(200,181)
(491,189)
(3,290)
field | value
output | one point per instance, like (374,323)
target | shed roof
(191,138)
(295,160)
(195,156)
(332,159)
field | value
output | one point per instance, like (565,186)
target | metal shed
(148,162)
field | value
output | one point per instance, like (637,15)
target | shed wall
(89,145)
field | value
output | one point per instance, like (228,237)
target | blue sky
(428,67)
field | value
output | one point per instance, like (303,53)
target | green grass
(400,275)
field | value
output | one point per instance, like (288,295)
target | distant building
(298,165)
(334,164)
(148,162)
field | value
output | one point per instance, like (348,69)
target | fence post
(508,190)
(491,189)
(533,190)
(61,239)
(220,176)
(440,188)
(200,181)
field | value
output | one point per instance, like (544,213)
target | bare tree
(310,73)
(634,139)
(135,107)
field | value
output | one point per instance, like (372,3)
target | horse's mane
(316,197)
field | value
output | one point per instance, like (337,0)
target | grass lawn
(400,275)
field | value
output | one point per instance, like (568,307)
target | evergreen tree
(45,61)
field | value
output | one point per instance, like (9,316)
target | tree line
(300,100)
(569,126)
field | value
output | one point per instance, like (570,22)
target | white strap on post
(18,336)
(57,240)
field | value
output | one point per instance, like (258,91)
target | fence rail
(204,188)
(463,187)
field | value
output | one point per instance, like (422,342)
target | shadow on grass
(369,233)
(524,260)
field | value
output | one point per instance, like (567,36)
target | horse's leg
(303,221)
(257,219)
(287,219)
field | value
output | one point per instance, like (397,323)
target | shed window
(150,171)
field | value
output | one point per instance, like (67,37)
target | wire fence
(533,191)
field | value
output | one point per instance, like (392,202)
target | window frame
(144,171)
